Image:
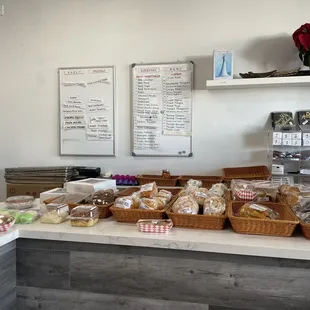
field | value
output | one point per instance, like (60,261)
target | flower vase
(306,62)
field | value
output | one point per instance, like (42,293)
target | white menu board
(162,109)
(86,100)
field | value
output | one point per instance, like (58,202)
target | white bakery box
(53,193)
(89,186)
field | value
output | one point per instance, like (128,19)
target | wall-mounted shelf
(258,83)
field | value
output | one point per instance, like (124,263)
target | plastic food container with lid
(19,202)
(6,222)
(56,213)
(84,216)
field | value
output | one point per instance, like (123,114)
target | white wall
(38,36)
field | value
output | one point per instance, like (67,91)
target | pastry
(84,216)
(200,195)
(214,205)
(148,204)
(165,194)
(186,204)
(103,197)
(195,183)
(127,202)
(161,202)
(188,191)
(148,190)
(218,189)
(56,214)
(258,211)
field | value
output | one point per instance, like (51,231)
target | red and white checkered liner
(6,227)
(245,194)
(151,226)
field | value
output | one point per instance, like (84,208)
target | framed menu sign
(162,109)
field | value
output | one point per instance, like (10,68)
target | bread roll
(127,202)
(148,190)
(214,205)
(186,204)
(200,195)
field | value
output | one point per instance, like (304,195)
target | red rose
(301,38)
(304,39)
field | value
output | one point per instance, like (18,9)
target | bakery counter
(114,266)
(110,232)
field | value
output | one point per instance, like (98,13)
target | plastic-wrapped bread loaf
(188,191)
(200,195)
(258,211)
(148,204)
(186,204)
(148,190)
(218,189)
(127,202)
(214,205)
(164,194)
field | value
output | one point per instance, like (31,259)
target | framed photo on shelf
(222,64)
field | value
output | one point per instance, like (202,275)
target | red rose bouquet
(302,41)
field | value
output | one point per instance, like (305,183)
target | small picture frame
(222,64)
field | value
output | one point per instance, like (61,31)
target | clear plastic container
(21,217)
(84,216)
(19,202)
(56,213)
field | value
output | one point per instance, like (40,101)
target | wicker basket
(283,227)
(305,228)
(104,211)
(133,215)
(247,173)
(207,181)
(199,221)
(160,181)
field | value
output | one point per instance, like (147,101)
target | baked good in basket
(148,204)
(218,189)
(214,205)
(243,190)
(186,204)
(291,194)
(164,194)
(200,195)
(103,197)
(302,210)
(195,183)
(127,202)
(188,191)
(161,202)
(265,191)
(148,190)
(258,211)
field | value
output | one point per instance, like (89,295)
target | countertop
(108,231)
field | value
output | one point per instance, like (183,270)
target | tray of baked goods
(297,198)
(198,207)
(262,218)
(146,202)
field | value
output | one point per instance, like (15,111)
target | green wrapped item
(21,217)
